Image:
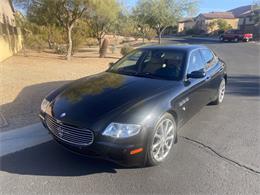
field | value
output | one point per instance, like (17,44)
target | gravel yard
(24,81)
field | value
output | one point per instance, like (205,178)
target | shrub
(35,42)
(150,34)
(126,49)
(190,32)
(91,42)
(60,49)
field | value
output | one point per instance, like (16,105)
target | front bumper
(119,153)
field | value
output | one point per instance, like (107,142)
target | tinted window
(166,64)
(196,62)
(152,63)
(130,60)
(207,55)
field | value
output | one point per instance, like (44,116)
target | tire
(159,143)
(236,39)
(221,93)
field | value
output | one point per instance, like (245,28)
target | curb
(22,138)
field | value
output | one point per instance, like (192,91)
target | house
(10,35)
(185,25)
(203,21)
(249,19)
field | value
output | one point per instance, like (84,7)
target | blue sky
(221,5)
(208,5)
(203,5)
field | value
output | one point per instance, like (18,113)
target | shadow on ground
(53,160)
(25,108)
(194,40)
(244,85)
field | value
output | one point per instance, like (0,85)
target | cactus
(103,49)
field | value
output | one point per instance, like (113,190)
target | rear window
(207,55)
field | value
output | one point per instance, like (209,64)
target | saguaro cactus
(103,49)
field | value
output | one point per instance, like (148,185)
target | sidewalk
(22,138)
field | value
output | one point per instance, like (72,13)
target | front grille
(70,134)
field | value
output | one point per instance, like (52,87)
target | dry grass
(19,71)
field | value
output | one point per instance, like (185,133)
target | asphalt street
(218,150)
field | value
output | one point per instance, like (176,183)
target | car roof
(186,48)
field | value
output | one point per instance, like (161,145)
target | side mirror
(197,74)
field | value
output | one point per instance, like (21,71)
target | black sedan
(130,113)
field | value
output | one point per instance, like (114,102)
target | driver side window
(196,63)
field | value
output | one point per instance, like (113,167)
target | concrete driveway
(218,150)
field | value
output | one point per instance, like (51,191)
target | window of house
(1,29)
(15,30)
(4,30)
(11,29)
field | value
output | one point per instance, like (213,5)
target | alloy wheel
(163,140)
(222,88)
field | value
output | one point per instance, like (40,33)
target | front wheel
(221,93)
(162,139)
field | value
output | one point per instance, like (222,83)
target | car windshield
(157,64)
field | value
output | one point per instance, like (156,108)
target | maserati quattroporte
(130,113)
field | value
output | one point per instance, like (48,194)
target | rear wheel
(236,39)
(221,93)
(161,140)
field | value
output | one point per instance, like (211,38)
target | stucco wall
(203,23)
(10,36)
(184,26)
(232,22)
(9,45)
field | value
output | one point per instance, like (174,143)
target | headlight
(44,105)
(118,130)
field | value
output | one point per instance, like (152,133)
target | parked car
(236,36)
(130,113)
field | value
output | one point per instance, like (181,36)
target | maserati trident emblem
(63,115)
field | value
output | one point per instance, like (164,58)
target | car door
(195,95)
(214,73)
(229,34)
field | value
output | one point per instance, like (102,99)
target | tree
(67,13)
(63,13)
(139,18)
(223,25)
(101,16)
(212,25)
(160,14)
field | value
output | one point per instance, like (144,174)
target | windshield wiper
(131,73)
(148,75)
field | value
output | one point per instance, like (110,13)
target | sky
(203,5)
(208,5)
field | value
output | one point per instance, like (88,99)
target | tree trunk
(99,42)
(160,34)
(69,30)
(160,37)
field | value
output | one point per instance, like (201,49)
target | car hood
(89,99)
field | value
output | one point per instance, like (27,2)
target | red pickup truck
(236,36)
